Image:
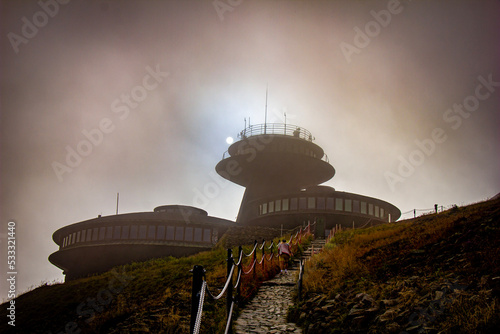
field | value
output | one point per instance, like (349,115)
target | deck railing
(276,129)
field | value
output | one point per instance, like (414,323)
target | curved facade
(96,245)
(282,168)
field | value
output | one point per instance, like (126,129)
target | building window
(206,235)
(198,234)
(271,207)
(277,205)
(170,233)
(102,233)
(125,232)
(83,235)
(89,234)
(69,239)
(348,205)
(338,204)
(381,213)
(151,232)
(160,233)
(64,242)
(311,202)
(302,203)
(370,209)
(363,207)
(329,203)
(189,234)
(143,229)
(109,232)
(95,234)
(179,233)
(355,206)
(117,232)
(293,204)
(321,203)
(78,236)
(376,211)
(284,205)
(264,208)
(133,231)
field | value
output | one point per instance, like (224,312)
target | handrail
(225,286)
(253,250)
(276,129)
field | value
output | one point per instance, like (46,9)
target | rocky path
(267,311)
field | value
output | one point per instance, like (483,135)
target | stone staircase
(314,247)
(267,311)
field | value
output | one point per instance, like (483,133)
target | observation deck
(273,157)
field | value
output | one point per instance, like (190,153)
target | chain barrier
(200,286)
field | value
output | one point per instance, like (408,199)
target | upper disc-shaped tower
(273,158)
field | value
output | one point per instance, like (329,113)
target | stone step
(267,311)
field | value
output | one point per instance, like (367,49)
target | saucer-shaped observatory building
(281,169)
(96,245)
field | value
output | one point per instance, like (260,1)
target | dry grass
(411,261)
(470,314)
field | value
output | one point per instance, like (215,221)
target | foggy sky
(366,110)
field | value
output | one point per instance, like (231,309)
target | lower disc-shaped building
(96,245)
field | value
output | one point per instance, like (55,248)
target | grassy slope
(436,273)
(152,296)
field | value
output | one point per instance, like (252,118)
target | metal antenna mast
(265,117)
(117,199)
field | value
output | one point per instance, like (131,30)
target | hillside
(435,273)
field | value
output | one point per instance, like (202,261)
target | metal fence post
(198,272)
(299,285)
(229,299)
